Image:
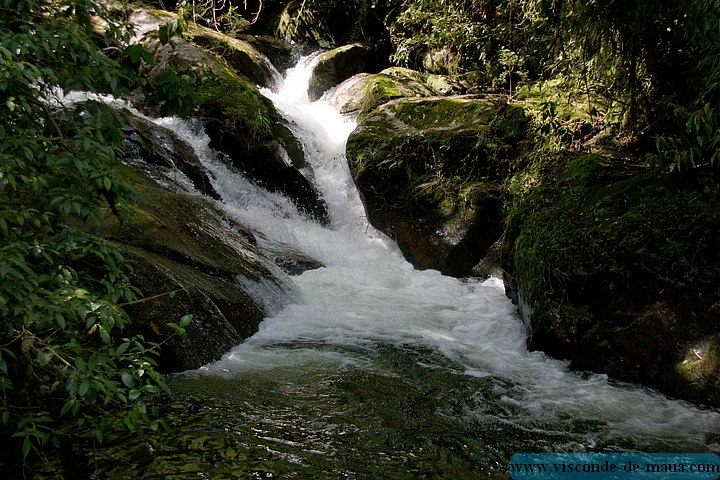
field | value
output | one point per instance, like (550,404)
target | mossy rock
(187,256)
(159,153)
(430,174)
(619,269)
(241,122)
(186,259)
(243,55)
(244,124)
(337,65)
(363,93)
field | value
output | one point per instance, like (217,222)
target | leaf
(67,406)
(84,388)
(26,446)
(134,394)
(122,348)
(154,327)
(105,336)
(151,389)
(186,320)
(128,380)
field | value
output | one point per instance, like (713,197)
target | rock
(186,260)
(187,256)
(616,269)
(146,22)
(430,172)
(240,121)
(441,61)
(160,154)
(243,55)
(245,125)
(442,84)
(337,65)
(364,92)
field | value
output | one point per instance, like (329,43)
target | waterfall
(378,368)
(368,296)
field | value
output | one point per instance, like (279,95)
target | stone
(430,171)
(337,65)
(616,270)
(362,93)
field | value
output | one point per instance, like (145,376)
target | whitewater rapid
(367,296)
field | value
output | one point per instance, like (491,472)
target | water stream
(376,370)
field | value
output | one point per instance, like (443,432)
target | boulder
(186,260)
(244,124)
(258,58)
(337,65)
(616,269)
(186,255)
(245,56)
(442,61)
(161,155)
(362,93)
(430,174)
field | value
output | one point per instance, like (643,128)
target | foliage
(589,226)
(221,15)
(175,89)
(647,66)
(64,364)
(486,42)
(698,118)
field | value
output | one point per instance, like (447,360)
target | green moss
(185,229)
(242,107)
(591,226)
(390,84)
(439,152)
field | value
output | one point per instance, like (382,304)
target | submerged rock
(430,171)
(616,269)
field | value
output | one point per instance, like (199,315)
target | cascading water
(381,371)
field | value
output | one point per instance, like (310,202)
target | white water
(368,295)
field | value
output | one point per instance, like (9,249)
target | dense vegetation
(649,66)
(65,365)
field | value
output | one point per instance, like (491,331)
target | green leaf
(123,347)
(84,388)
(150,389)
(134,394)
(186,320)
(26,445)
(128,380)
(67,406)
